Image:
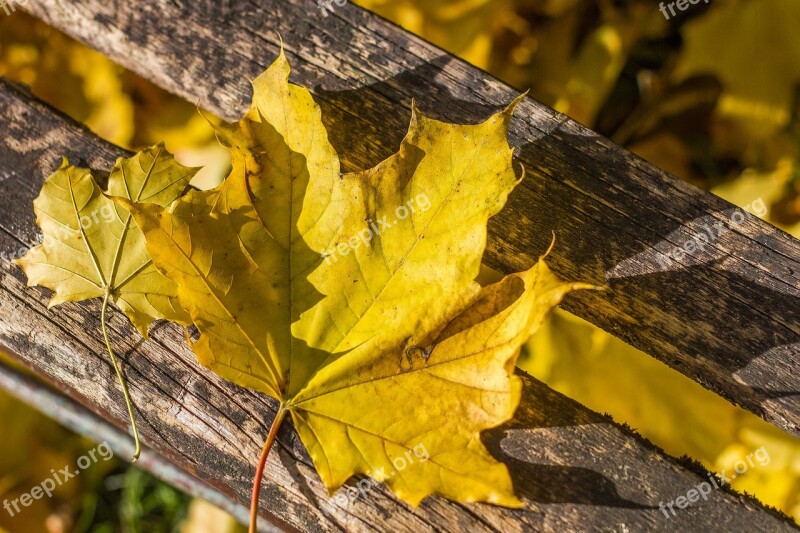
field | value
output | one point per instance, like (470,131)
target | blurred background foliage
(711,95)
(111,496)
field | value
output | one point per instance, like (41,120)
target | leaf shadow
(726,308)
(545,465)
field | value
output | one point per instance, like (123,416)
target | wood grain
(574,469)
(727,316)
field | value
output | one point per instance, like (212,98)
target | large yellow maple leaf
(351,298)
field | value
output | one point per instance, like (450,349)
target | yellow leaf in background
(205,518)
(351,298)
(768,186)
(569,354)
(118,105)
(76,79)
(758,67)
(464,27)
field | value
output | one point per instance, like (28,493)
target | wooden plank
(574,469)
(726,315)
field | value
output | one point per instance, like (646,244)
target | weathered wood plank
(728,316)
(574,469)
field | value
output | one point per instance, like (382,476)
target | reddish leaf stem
(273,433)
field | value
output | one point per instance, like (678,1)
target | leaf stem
(120,377)
(273,434)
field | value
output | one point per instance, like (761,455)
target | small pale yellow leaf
(91,245)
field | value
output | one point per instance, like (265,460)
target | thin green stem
(121,378)
(273,434)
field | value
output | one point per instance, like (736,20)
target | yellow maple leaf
(352,298)
(92,249)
